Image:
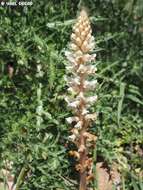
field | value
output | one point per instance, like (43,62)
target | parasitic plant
(79,71)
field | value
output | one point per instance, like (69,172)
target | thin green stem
(21,177)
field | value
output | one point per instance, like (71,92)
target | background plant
(31,36)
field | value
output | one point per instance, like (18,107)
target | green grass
(38,138)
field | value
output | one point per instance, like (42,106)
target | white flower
(70,56)
(93,83)
(90,46)
(72,119)
(73,36)
(91,69)
(90,84)
(72,81)
(78,54)
(67,99)
(71,103)
(92,116)
(87,69)
(74,47)
(78,125)
(74,104)
(93,56)
(86,84)
(75,81)
(91,99)
(82,69)
(72,137)
(85,111)
(75,131)
(92,40)
(81,96)
(87,57)
(68,53)
(73,89)
(69,68)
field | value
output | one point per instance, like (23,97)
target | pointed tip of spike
(84,12)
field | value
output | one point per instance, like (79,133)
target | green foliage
(32,108)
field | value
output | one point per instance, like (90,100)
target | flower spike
(80,66)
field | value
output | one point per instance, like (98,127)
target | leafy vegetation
(32,88)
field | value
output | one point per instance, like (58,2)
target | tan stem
(83,184)
(82,142)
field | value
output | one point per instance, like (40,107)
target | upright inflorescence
(79,69)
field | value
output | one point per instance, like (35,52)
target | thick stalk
(82,142)
(83,184)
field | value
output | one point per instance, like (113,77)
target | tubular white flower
(87,69)
(73,36)
(80,96)
(74,47)
(90,84)
(67,99)
(91,46)
(70,57)
(72,137)
(91,99)
(79,125)
(74,81)
(93,83)
(75,131)
(78,54)
(92,40)
(87,57)
(82,69)
(70,68)
(71,102)
(84,111)
(73,89)
(92,116)
(91,69)
(74,104)
(72,119)
(93,56)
